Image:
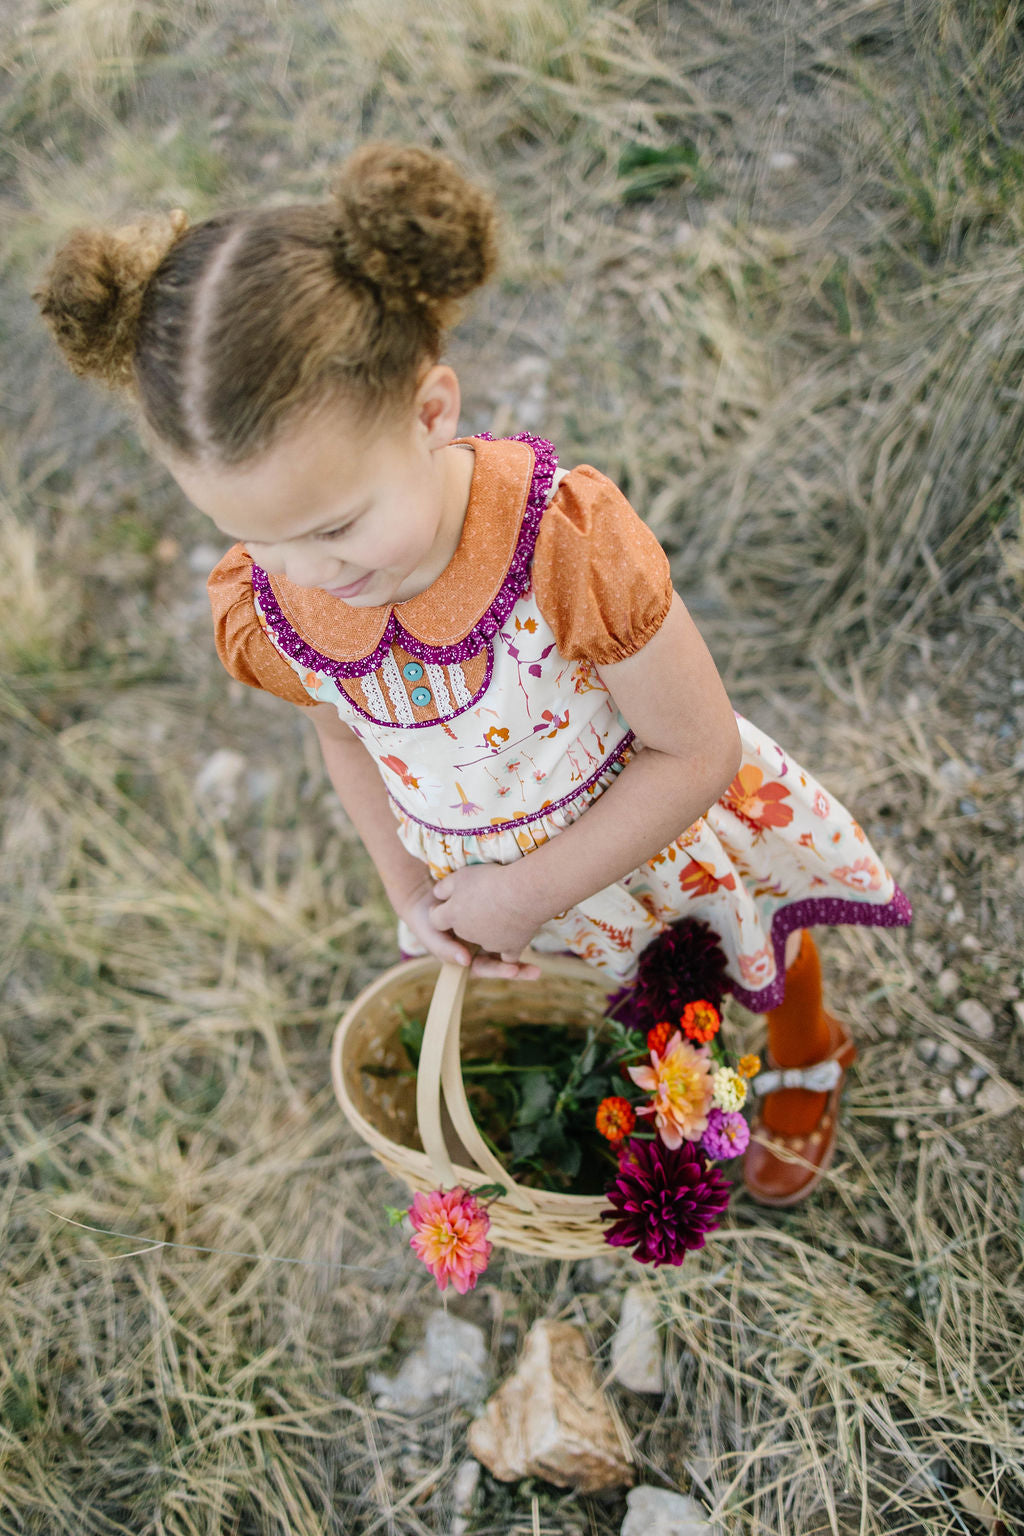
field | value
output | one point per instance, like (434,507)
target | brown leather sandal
(779,1169)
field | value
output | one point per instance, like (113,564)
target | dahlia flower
(451,1236)
(681,1083)
(664,1200)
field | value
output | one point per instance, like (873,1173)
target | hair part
(230,331)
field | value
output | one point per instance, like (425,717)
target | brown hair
(228,331)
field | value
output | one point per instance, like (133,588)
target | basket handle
(440,1073)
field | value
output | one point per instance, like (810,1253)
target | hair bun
(411,222)
(92,294)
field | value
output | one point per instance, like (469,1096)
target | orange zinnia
(700,1022)
(615,1119)
(658,1037)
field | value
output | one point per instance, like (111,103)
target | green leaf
(395,1214)
(411,1036)
(525,1141)
(536,1099)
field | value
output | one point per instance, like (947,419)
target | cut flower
(451,1236)
(728,1089)
(681,1083)
(701,1022)
(615,1119)
(727,1135)
(664,1201)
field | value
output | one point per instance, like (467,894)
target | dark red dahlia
(664,1201)
(682,965)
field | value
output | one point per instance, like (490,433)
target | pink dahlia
(680,1081)
(727,1134)
(451,1236)
(664,1201)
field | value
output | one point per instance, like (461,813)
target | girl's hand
(478,904)
(417,913)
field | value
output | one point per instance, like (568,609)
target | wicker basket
(424,1132)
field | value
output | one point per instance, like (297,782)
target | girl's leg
(795,1129)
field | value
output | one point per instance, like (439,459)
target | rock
(965,1085)
(997,1098)
(636,1345)
(900,1130)
(452,1362)
(783,160)
(551,1420)
(926,1049)
(946,1097)
(948,983)
(218,780)
(659,1512)
(977,1018)
(464,1494)
(947,1056)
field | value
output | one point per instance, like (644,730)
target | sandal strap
(820,1078)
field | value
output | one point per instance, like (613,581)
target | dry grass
(807,372)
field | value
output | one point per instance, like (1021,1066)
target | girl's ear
(438,401)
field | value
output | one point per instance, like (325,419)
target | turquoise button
(412,671)
(420,695)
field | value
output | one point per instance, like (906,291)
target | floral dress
(481,702)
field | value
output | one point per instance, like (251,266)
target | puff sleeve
(246,651)
(601,578)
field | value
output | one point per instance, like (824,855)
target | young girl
(488,646)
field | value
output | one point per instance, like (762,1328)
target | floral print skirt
(776,853)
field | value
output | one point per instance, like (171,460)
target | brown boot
(793,1133)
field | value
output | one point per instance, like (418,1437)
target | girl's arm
(674,700)
(407,881)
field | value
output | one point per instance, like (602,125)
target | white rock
(946,1097)
(977,1018)
(954,774)
(900,1130)
(965,1085)
(218,780)
(997,1098)
(551,1420)
(636,1345)
(464,1494)
(783,160)
(947,1056)
(947,893)
(658,1512)
(926,1048)
(948,983)
(452,1362)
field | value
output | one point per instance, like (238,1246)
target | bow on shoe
(820,1078)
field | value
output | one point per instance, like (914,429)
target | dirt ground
(794,333)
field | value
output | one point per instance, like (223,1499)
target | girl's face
(370,517)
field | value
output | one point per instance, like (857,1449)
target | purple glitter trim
(523,821)
(818,912)
(516,582)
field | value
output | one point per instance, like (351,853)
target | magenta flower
(451,1236)
(664,1201)
(727,1135)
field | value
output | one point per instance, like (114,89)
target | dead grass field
(801,354)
